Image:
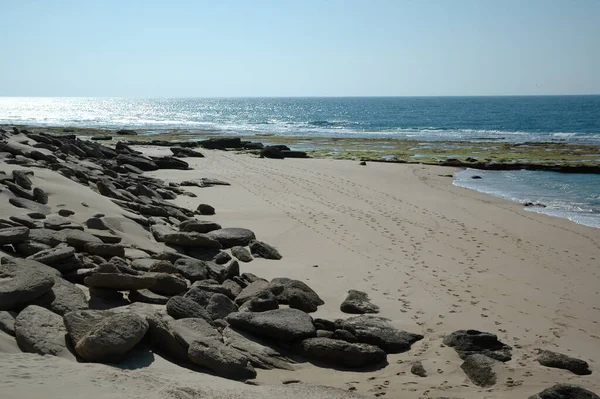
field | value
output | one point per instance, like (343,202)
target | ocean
(562,119)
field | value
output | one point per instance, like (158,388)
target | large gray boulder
(468,342)
(63,297)
(565,391)
(561,361)
(280,324)
(112,338)
(378,331)
(232,236)
(252,290)
(179,307)
(21,285)
(341,353)
(197,240)
(297,294)
(80,322)
(40,331)
(358,302)
(481,369)
(219,306)
(13,235)
(168,284)
(192,269)
(223,360)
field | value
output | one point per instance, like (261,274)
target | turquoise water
(513,119)
(566,119)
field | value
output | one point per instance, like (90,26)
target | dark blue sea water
(568,119)
(544,118)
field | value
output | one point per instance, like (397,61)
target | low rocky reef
(82,287)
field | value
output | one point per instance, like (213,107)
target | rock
(64,297)
(264,250)
(40,331)
(377,331)
(30,205)
(147,296)
(101,138)
(59,257)
(40,196)
(96,223)
(21,285)
(112,338)
(126,132)
(219,306)
(13,235)
(358,302)
(260,354)
(191,240)
(222,258)
(198,295)
(104,250)
(475,177)
(185,152)
(163,266)
(28,248)
(65,212)
(139,162)
(192,269)
(189,330)
(7,322)
(80,322)
(271,152)
(344,335)
(168,284)
(242,254)
(324,334)
(120,281)
(232,286)
(297,294)
(232,236)
(75,238)
(561,361)
(170,163)
(341,354)
(252,290)
(480,369)
(263,301)
(213,286)
(108,238)
(281,324)
(179,307)
(417,369)
(26,221)
(565,391)
(198,226)
(221,143)
(56,222)
(20,177)
(468,342)
(362,163)
(225,361)
(206,209)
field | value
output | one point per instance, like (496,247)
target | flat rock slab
(341,353)
(358,302)
(54,255)
(112,338)
(40,331)
(190,330)
(565,391)
(191,240)
(30,205)
(561,361)
(378,331)
(179,307)
(120,281)
(76,238)
(233,236)
(21,285)
(198,226)
(13,235)
(223,360)
(469,342)
(261,355)
(104,250)
(63,297)
(280,324)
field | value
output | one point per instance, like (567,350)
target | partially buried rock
(112,338)
(341,353)
(40,331)
(565,391)
(191,240)
(242,254)
(417,369)
(358,302)
(281,324)
(378,331)
(7,322)
(30,205)
(264,250)
(13,235)
(21,285)
(206,209)
(224,360)
(481,369)
(468,342)
(561,361)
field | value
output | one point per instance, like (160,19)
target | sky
(254,48)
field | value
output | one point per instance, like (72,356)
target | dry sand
(436,258)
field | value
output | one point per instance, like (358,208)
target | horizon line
(309,96)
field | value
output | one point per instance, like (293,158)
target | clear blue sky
(298,47)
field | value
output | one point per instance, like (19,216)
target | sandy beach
(434,257)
